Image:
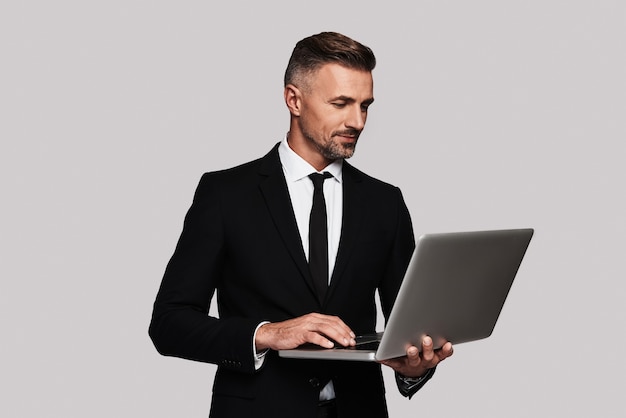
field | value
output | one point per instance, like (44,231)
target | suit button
(315,382)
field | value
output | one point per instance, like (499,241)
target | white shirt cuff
(259,358)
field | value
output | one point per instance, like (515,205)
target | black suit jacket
(240,238)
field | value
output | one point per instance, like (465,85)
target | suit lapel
(274,190)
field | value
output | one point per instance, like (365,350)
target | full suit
(240,238)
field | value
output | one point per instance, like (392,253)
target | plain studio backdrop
(488,114)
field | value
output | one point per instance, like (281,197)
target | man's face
(334,109)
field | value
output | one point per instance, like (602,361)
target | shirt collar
(296,168)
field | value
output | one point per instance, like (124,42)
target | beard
(331,148)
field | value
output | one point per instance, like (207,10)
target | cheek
(322,124)
(334,121)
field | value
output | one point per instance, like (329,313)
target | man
(246,236)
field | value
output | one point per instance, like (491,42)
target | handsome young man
(247,236)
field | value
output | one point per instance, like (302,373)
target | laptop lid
(453,290)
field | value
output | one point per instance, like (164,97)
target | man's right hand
(312,328)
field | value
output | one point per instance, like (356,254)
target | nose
(356,119)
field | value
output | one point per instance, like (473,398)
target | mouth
(348,136)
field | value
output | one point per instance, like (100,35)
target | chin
(348,150)
(344,154)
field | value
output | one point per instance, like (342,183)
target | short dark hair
(324,48)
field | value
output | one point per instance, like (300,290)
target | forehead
(334,80)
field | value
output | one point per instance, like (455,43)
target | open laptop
(453,290)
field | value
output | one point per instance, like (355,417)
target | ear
(293,99)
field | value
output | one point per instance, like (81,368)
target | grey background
(488,114)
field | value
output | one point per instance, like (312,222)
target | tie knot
(318,179)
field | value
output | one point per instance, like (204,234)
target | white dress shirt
(300,188)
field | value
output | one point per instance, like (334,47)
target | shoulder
(244,173)
(232,173)
(354,175)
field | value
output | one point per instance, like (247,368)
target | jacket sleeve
(180,324)
(399,260)
(399,256)
(409,386)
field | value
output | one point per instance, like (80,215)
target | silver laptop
(453,290)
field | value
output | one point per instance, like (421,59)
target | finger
(341,326)
(335,321)
(319,339)
(413,356)
(340,336)
(428,353)
(333,329)
(446,351)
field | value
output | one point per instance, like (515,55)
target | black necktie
(318,236)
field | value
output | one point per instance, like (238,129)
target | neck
(307,151)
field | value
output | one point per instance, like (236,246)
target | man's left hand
(416,364)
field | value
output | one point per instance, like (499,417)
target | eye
(339,105)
